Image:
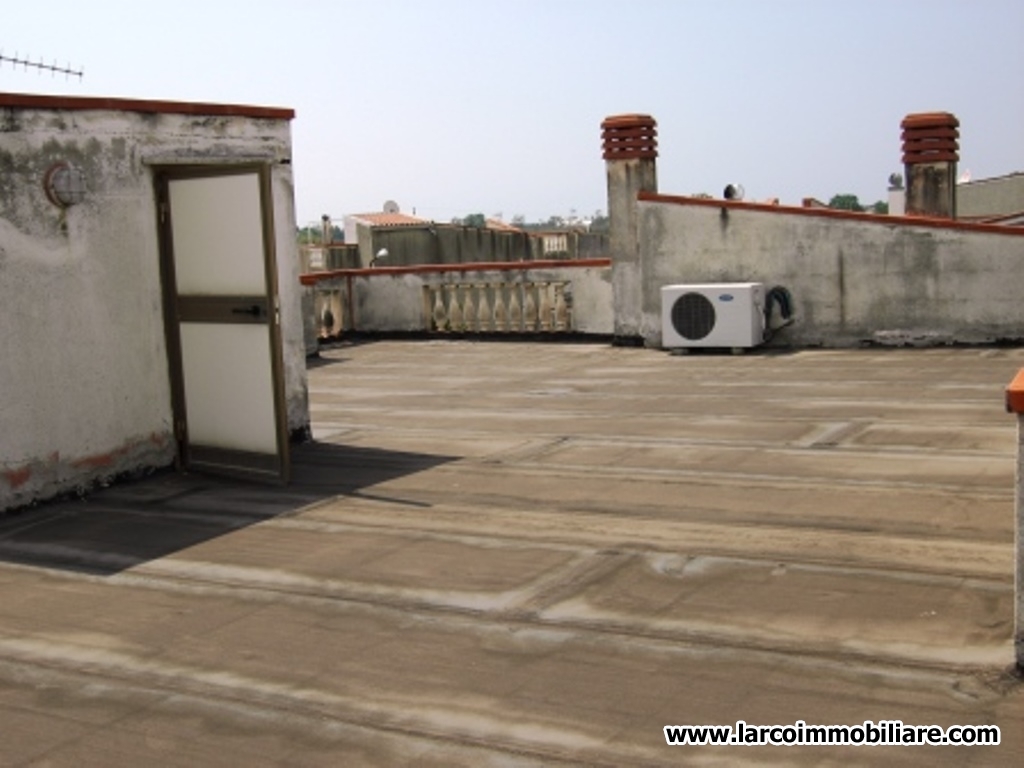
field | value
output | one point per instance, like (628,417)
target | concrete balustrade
(540,297)
(517,307)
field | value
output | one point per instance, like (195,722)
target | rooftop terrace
(540,554)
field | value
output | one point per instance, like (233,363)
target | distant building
(554,243)
(381,220)
(997,200)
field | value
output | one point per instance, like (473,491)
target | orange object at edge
(1015,393)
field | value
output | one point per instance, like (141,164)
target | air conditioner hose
(777,296)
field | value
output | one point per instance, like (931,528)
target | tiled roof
(390,219)
(501,226)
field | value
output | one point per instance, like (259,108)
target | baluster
(340,313)
(561,308)
(322,311)
(499,307)
(454,311)
(335,312)
(529,308)
(440,316)
(515,310)
(545,307)
(483,312)
(468,310)
(428,308)
(331,315)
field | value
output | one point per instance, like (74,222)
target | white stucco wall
(852,279)
(84,383)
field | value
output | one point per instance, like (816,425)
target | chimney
(630,152)
(930,155)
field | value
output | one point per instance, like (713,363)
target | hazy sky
(454,107)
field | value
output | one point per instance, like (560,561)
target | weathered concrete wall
(389,303)
(289,290)
(625,179)
(853,278)
(592,305)
(453,244)
(449,244)
(84,381)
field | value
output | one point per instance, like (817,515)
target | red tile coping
(312,278)
(40,101)
(873,218)
(1015,394)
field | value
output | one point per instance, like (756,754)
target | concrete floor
(535,555)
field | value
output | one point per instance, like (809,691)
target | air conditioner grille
(693,316)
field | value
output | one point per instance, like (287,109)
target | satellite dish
(733,192)
(390,206)
(896,180)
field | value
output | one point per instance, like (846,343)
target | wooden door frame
(198,309)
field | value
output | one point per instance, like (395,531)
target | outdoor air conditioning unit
(712,315)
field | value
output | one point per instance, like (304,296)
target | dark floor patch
(130,523)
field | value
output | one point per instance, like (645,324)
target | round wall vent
(64,184)
(693,316)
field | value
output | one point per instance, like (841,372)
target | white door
(223,329)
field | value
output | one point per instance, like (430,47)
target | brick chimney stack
(930,155)
(630,151)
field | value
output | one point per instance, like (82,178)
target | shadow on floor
(130,523)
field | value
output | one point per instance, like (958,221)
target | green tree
(845,202)
(880,207)
(475,220)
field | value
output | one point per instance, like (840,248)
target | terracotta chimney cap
(930,120)
(629,120)
(629,137)
(930,137)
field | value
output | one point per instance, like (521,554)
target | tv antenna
(41,66)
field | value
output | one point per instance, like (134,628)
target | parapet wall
(854,278)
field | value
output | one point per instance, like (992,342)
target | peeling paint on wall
(53,473)
(17,477)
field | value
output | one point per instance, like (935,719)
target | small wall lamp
(64,184)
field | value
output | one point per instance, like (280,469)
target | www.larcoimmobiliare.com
(884,733)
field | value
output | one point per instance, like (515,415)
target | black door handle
(254,310)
